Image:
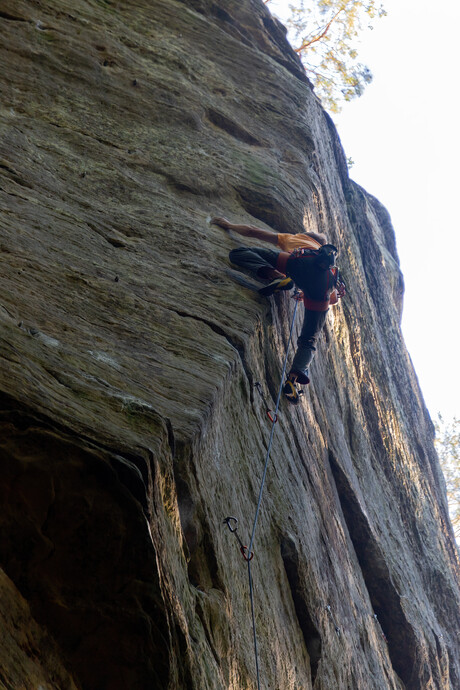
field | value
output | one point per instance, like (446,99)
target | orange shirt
(288,242)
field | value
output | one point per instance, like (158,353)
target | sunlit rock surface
(129,349)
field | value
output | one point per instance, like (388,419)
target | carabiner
(233,520)
(243,549)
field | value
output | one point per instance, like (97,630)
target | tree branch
(319,37)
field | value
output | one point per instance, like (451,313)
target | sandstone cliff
(129,349)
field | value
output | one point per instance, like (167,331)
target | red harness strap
(314,305)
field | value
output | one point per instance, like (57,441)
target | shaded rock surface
(129,349)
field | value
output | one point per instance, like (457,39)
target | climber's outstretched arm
(247,230)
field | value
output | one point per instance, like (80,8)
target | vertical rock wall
(129,350)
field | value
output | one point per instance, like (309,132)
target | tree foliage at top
(325,34)
(448,446)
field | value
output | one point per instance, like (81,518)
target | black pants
(313,322)
(255,258)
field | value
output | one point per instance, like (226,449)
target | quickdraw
(381,631)
(341,287)
(339,283)
(273,418)
(329,610)
(229,521)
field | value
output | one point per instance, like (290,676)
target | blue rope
(254,633)
(272,430)
(249,551)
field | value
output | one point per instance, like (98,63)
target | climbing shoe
(277,285)
(291,392)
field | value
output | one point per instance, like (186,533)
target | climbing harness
(269,412)
(232,522)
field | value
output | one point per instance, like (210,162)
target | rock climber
(305,260)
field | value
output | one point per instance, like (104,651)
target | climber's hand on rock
(222,222)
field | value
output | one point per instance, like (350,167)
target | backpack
(324,259)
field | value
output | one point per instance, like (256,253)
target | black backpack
(324,257)
(325,278)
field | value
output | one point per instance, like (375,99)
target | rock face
(130,423)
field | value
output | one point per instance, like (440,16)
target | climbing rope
(272,431)
(231,522)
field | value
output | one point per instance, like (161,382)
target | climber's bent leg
(259,260)
(263,263)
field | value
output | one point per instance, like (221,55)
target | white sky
(402,135)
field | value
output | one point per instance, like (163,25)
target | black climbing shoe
(277,285)
(291,392)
